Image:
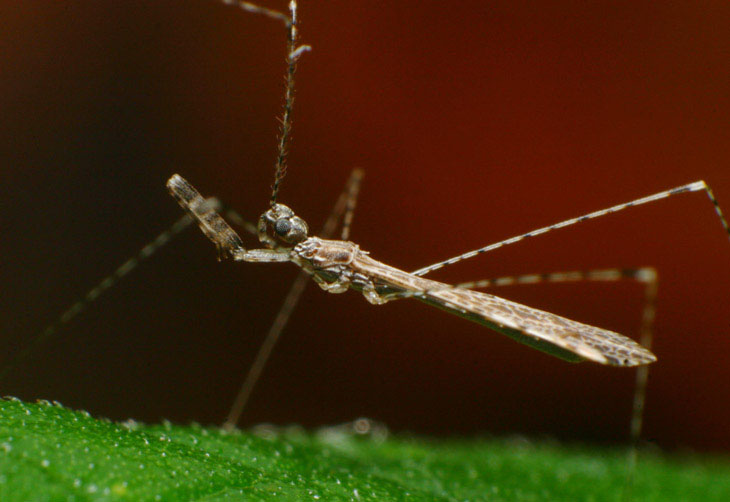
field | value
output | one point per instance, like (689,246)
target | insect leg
(345,203)
(644,275)
(108,282)
(351,192)
(690,187)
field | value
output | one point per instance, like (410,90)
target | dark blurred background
(474,121)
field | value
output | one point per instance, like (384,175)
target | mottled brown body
(340,265)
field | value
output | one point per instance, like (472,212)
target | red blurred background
(474,121)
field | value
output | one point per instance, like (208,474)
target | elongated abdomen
(558,336)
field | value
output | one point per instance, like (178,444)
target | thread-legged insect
(341,265)
(319,234)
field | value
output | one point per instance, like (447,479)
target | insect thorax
(323,253)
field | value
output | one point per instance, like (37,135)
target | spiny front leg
(210,222)
(215,227)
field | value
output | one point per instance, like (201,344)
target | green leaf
(49,453)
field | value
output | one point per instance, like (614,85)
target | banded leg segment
(691,187)
(345,204)
(646,275)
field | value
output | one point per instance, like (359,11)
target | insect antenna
(293,53)
(292,56)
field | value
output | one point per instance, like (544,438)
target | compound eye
(282,227)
